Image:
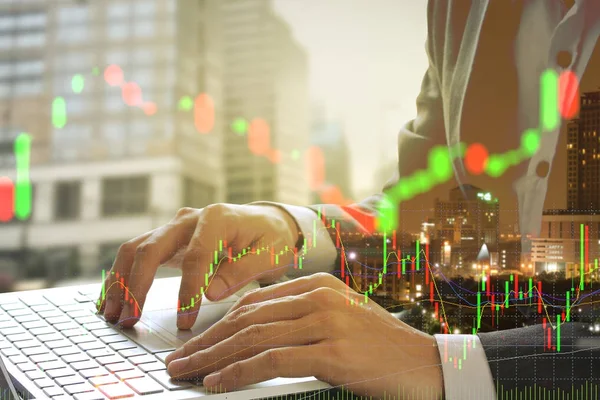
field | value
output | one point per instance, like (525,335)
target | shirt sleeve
(320,258)
(465,368)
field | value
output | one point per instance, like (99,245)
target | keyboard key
(10,351)
(74,332)
(59,373)
(155,366)
(50,337)
(165,380)
(50,313)
(49,365)
(116,391)
(70,307)
(35,324)
(129,374)
(69,380)
(59,343)
(26,344)
(104,332)
(83,339)
(78,313)
(58,320)
(26,366)
(126,345)
(19,337)
(43,307)
(110,359)
(143,359)
(113,339)
(66,326)
(44,330)
(33,300)
(80,388)
(63,351)
(40,358)
(16,305)
(35,351)
(92,326)
(78,366)
(73,358)
(93,346)
(87,320)
(44,383)
(100,352)
(95,395)
(18,359)
(122,366)
(83,299)
(27,318)
(19,312)
(144,386)
(94,372)
(103,380)
(162,356)
(13,330)
(59,299)
(53,391)
(133,352)
(35,374)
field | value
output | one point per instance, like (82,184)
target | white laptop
(55,346)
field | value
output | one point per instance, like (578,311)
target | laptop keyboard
(69,352)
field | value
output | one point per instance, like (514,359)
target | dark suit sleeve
(415,139)
(519,360)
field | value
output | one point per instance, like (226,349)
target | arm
(520,359)
(414,140)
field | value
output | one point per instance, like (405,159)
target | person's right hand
(189,241)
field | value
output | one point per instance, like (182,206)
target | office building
(469,218)
(265,75)
(329,136)
(559,246)
(583,155)
(127,158)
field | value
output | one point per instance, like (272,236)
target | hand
(189,242)
(306,327)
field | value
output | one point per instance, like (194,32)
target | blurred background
(115,114)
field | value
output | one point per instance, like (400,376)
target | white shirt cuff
(318,252)
(465,368)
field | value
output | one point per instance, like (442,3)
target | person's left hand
(307,327)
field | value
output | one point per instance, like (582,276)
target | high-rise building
(265,75)
(469,218)
(329,136)
(583,155)
(113,171)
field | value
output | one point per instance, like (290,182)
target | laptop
(54,345)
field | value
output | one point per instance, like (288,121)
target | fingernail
(212,379)
(174,355)
(178,365)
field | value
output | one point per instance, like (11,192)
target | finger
(249,342)
(294,287)
(285,362)
(214,223)
(285,309)
(112,293)
(149,255)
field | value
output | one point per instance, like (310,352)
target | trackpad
(160,313)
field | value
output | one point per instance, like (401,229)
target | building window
(67,201)
(108,253)
(196,194)
(125,196)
